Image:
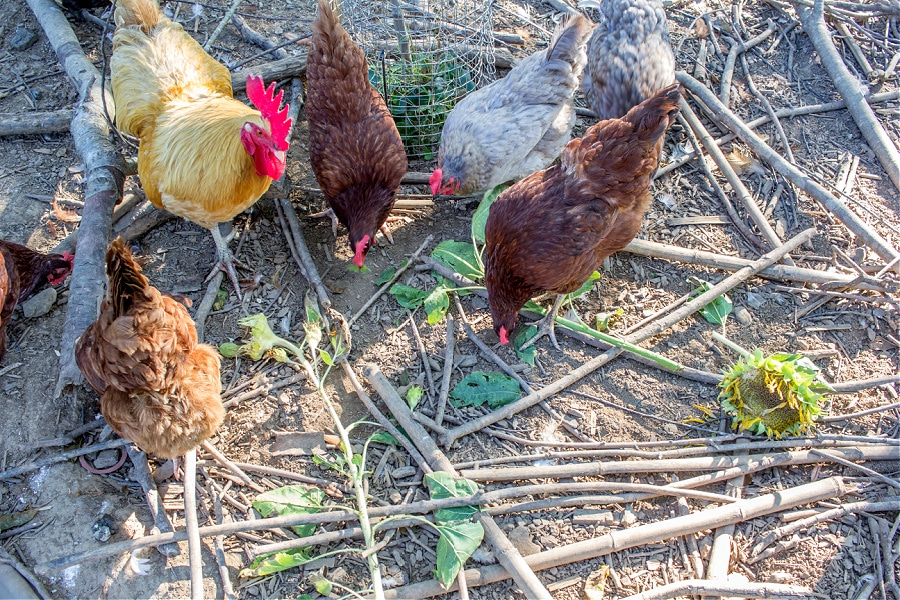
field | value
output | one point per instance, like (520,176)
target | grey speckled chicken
(516,125)
(629,56)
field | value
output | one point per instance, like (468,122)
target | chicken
(23,273)
(203,156)
(516,125)
(158,387)
(551,230)
(354,146)
(629,56)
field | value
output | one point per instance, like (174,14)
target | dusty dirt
(848,339)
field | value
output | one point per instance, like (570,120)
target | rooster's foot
(546,326)
(226,263)
(330,214)
(386,232)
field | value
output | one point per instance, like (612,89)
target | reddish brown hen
(354,146)
(158,387)
(23,273)
(551,230)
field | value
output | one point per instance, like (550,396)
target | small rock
(520,537)
(743,316)
(106,459)
(103,528)
(755,300)
(628,518)
(780,577)
(395,497)
(22,39)
(403,472)
(593,517)
(467,360)
(39,304)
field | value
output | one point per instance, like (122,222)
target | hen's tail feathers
(654,115)
(126,282)
(145,13)
(328,21)
(569,40)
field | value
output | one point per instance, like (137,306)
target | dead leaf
(16,519)
(701,30)
(744,163)
(66,216)
(595,584)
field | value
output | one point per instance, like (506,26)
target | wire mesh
(423,58)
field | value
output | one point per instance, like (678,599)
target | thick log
(104,176)
(34,123)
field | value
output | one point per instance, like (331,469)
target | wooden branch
(653,329)
(191,524)
(789,171)
(292,66)
(36,123)
(306,263)
(813,21)
(616,541)
(104,179)
(738,48)
(691,587)
(141,474)
(68,455)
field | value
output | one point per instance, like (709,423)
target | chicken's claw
(227,261)
(547,325)
(330,214)
(386,232)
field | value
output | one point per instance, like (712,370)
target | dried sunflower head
(772,395)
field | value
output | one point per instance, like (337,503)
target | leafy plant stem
(720,337)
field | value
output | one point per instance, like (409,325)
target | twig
(707,588)
(862,413)
(215,34)
(831,294)
(52,460)
(206,304)
(860,468)
(223,460)
(789,171)
(256,38)
(619,540)
(191,524)
(786,144)
(423,354)
(264,389)
(141,474)
(291,475)
(448,370)
(26,574)
(36,123)
(400,271)
(649,331)
(218,544)
(738,47)
(328,537)
(305,262)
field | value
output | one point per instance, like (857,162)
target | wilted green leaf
(413,396)
(323,586)
(585,287)
(280,561)
(478,387)
(407,296)
(436,304)
(479,219)
(603,321)
(383,437)
(456,544)
(716,311)
(221,297)
(459,256)
(444,485)
(291,500)
(229,349)
(524,334)
(16,519)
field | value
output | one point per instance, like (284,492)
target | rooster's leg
(226,260)
(546,326)
(330,214)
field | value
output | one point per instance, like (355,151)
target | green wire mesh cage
(423,57)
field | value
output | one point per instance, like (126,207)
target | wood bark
(33,123)
(104,177)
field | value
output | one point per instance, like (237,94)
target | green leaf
(479,219)
(291,500)
(408,296)
(603,320)
(355,269)
(459,256)
(229,349)
(478,387)
(528,354)
(585,287)
(389,272)
(441,485)
(413,396)
(221,297)
(326,358)
(279,561)
(456,544)
(436,304)
(323,586)
(716,311)
(383,437)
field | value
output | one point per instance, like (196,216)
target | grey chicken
(629,56)
(516,125)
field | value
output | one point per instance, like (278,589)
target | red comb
(269,104)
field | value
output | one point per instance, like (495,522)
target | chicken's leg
(546,326)
(330,214)
(226,259)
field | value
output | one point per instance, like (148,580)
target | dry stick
(678,315)
(291,475)
(860,468)
(789,171)
(191,524)
(141,474)
(734,263)
(292,66)
(505,552)
(677,465)
(206,304)
(104,180)
(814,26)
(736,49)
(256,38)
(400,271)
(36,123)
(27,575)
(448,370)
(423,354)
(52,460)
(265,389)
(720,551)
(328,537)
(307,266)
(862,413)
(215,34)
(715,589)
(786,144)
(218,544)
(223,460)
(737,185)
(616,541)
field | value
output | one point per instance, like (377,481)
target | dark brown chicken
(354,146)
(23,273)
(158,387)
(629,56)
(551,230)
